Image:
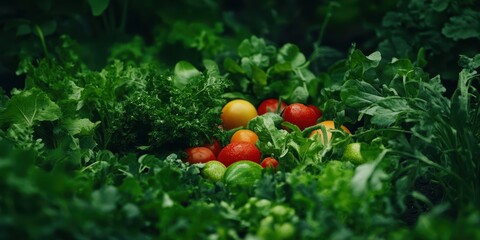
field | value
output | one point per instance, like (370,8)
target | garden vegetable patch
(240,120)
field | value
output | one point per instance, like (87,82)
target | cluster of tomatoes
(242,146)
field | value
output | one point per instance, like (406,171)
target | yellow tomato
(237,113)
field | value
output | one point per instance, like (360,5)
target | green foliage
(263,71)
(444,28)
(99,98)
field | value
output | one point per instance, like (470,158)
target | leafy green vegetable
(265,71)
(28,108)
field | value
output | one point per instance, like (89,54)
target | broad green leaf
(23,29)
(259,77)
(291,53)
(184,72)
(359,94)
(105,199)
(421,59)
(369,176)
(299,94)
(98,6)
(231,66)
(281,67)
(440,5)
(48,27)
(402,67)
(79,126)
(29,107)
(464,26)
(211,67)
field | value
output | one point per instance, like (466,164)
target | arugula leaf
(271,140)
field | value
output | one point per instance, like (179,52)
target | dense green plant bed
(245,120)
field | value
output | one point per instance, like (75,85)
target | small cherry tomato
(270,105)
(199,155)
(269,162)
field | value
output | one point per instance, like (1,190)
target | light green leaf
(98,6)
(183,73)
(30,107)
(259,77)
(291,53)
(105,199)
(231,66)
(211,67)
(299,94)
(80,126)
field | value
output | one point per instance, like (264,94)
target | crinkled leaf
(359,62)
(271,140)
(359,94)
(464,26)
(389,110)
(30,107)
(470,63)
(291,53)
(299,94)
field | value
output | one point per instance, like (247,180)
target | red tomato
(270,162)
(270,105)
(300,115)
(236,151)
(317,110)
(199,155)
(214,146)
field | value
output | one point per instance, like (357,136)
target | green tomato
(243,173)
(213,170)
(353,154)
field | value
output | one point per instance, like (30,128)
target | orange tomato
(244,135)
(329,125)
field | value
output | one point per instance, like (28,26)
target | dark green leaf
(464,26)
(359,94)
(98,6)
(440,5)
